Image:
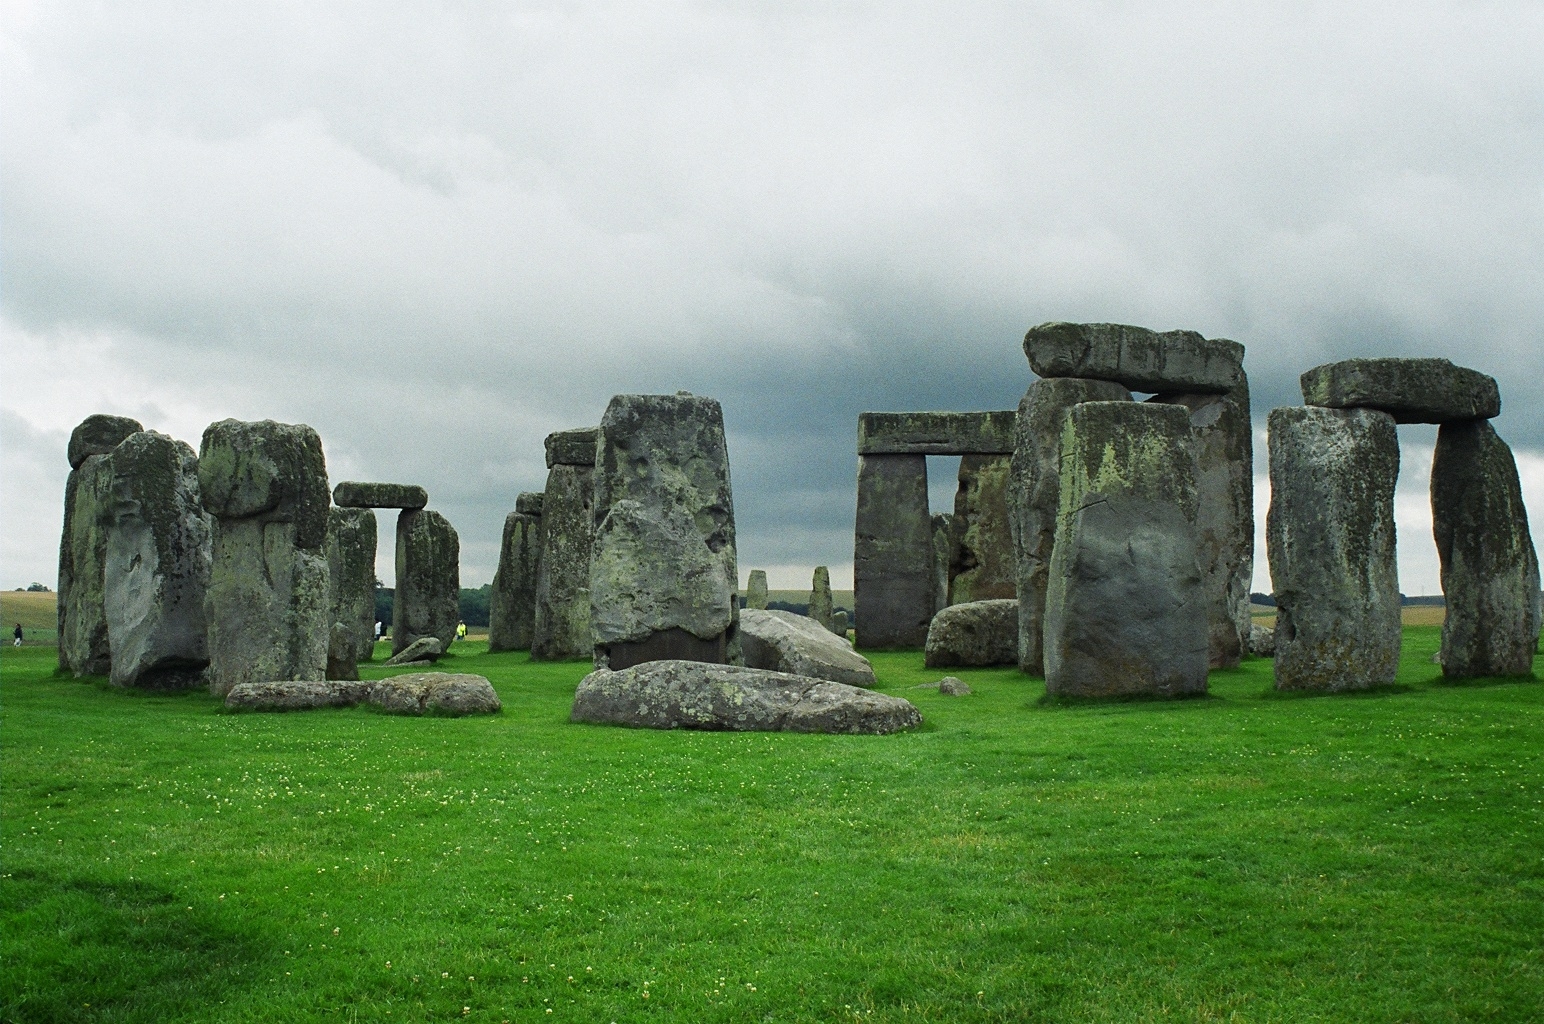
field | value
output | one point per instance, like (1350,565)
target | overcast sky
(437,231)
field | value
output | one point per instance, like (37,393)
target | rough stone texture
(424,649)
(84,648)
(784,642)
(981,560)
(895,584)
(935,433)
(664,556)
(428,595)
(572,447)
(156,575)
(561,624)
(529,503)
(756,589)
(1125,610)
(949,686)
(974,633)
(1135,357)
(1262,641)
(943,555)
(353,494)
(821,607)
(512,601)
(98,435)
(840,623)
(694,695)
(351,538)
(342,658)
(1034,496)
(1490,571)
(267,604)
(421,693)
(1330,540)
(1410,390)
(1222,439)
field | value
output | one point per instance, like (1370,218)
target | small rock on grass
(949,686)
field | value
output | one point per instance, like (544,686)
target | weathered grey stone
(1490,571)
(354,494)
(351,542)
(98,435)
(561,624)
(512,601)
(949,686)
(943,556)
(974,633)
(821,608)
(1410,390)
(694,695)
(84,648)
(784,642)
(1330,540)
(981,560)
(421,693)
(840,622)
(156,575)
(428,595)
(663,578)
(935,433)
(1125,610)
(1034,496)
(756,590)
(297,695)
(1135,357)
(1262,641)
(273,472)
(529,503)
(572,447)
(894,577)
(342,657)
(424,649)
(1222,438)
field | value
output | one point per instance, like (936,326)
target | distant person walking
(460,631)
(17,635)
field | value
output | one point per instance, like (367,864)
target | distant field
(1409,615)
(37,613)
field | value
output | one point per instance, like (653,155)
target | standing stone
(943,557)
(512,602)
(1125,610)
(820,598)
(664,582)
(895,584)
(428,596)
(157,570)
(83,644)
(1034,496)
(756,590)
(1490,571)
(1330,540)
(266,485)
(981,564)
(1140,359)
(561,629)
(351,541)
(342,653)
(1222,439)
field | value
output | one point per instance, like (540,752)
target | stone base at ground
(695,695)
(420,693)
(785,642)
(975,633)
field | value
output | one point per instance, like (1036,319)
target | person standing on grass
(460,631)
(17,635)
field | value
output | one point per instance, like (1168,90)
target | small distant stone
(949,686)
(422,651)
(353,494)
(1262,641)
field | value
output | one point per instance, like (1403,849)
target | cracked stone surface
(417,693)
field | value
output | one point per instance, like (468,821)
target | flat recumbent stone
(1410,390)
(1135,357)
(353,494)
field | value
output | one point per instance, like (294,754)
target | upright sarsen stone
(663,582)
(1330,540)
(894,580)
(756,590)
(83,645)
(351,543)
(1490,571)
(561,623)
(981,563)
(1125,610)
(428,596)
(512,602)
(821,606)
(943,558)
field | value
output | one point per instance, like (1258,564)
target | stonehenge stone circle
(156,574)
(1490,571)
(1034,496)
(1331,546)
(981,558)
(756,590)
(99,434)
(353,494)
(561,623)
(428,595)
(895,579)
(664,583)
(974,633)
(1139,359)
(351,540)
(265,483)
(785,642)
(1410,390)
(512,602)
(821,607)
(1125,611)
(83,644)
(676,694)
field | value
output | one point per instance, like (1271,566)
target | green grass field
(1246,857)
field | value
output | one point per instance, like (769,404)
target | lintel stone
(1410,390)
(935,433)
(572,447)
(353,494)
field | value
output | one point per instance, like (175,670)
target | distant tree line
(474,604)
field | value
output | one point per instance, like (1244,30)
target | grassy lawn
(1247,857)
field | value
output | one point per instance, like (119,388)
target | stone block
(99,434)
(561,622)
(1135,357)
(274,472)
(351,543)
(572,447)
(821,605)
(84,648)
(981,558)
(428,595)
(935,433)
(895,582)
(975,633)
(785,642)
(1410,390)
(756,590)
(512,602)
(354,494)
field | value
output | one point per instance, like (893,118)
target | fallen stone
(342,658)
(981,559)
(297,695)
(756,590)
(351,542)
(99,434)
(694,695)
(353,494)
(821,607)
(1262,641)
(561,621)
(895,575)
(1410,390)
(1125,610)
(780,641)
(424,649)
(427,601)
(512,601)
(1330,540)
(975,633)
(949,686)
(1135,357)
(572,447)
(1490,570)
(422,693)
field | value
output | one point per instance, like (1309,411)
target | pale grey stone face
(351,542)
(894,568)
(561,620)
(428,595)
(756,590)
(943,557)
(782,641)
(820,598)
(353,494)
(1135,357)
(512,601)
(415,693)
(84,648)
(974,633)
(1410,390)
(424,650)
